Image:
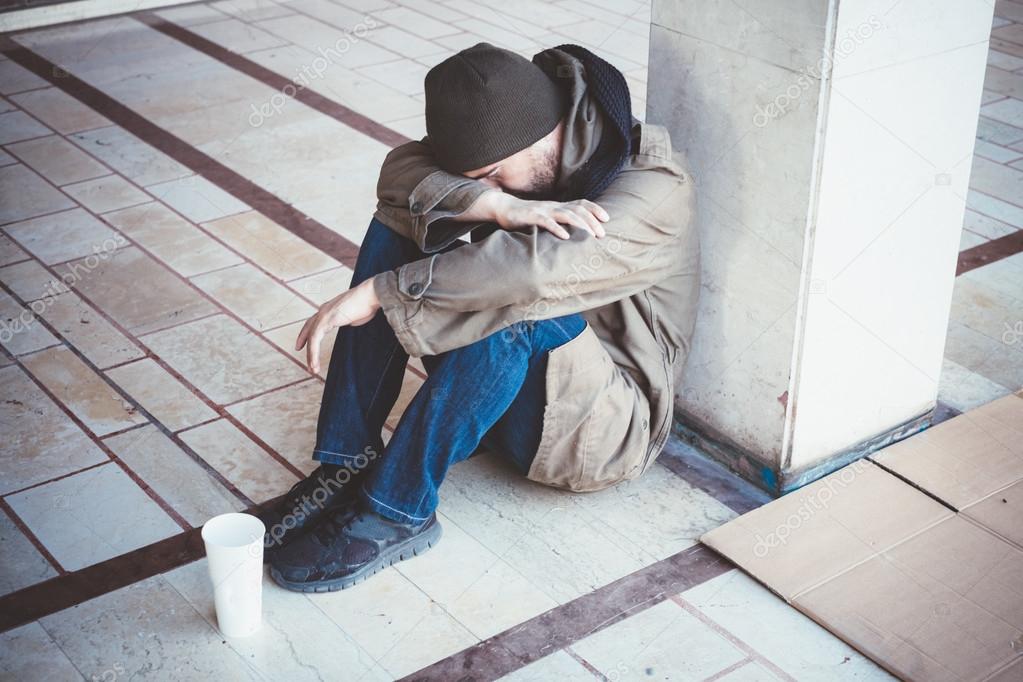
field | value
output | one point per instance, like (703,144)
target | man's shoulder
(655,151)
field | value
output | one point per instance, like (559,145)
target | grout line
(151,419)
(31,537)
(692,610)
(575,620)
(235,184)
(55,478)
(306,96)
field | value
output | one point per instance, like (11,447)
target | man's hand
(353,307)
(511,212)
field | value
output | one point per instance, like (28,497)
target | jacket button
(644,423)
(416,206)
(415,288)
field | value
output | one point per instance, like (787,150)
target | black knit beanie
(486,103)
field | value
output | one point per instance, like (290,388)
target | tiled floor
(165,227)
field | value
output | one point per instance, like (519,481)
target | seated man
(552,337)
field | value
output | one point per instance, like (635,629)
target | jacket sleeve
(418,197)
(454,298)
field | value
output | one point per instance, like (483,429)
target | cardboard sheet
(916,559)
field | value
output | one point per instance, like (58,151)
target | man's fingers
(553,226)
(596,210)
(591,220)
(313,351)
(304,332)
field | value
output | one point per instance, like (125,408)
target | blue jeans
(492,391)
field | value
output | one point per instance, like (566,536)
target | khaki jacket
(610,390)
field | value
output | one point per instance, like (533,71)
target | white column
(832,144)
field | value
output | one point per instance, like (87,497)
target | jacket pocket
(595,428)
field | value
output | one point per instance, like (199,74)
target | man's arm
(420,198)
(456,297)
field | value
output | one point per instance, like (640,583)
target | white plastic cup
(234,553)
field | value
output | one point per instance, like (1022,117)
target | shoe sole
(417,545)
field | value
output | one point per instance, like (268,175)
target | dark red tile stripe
(310,98)
(304,227)
(989,252)
(571,622)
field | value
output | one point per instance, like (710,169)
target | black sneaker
(309,500)
(347,547)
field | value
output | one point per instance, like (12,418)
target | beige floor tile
(482,591)
(403,42)
(990,358)
(404,75)
(129,156)
(661,641)
(313,34)
(251,10)
(115,286)
(22,564)
(297,641)
(557,666)
(28,652)
(237,36)
(355,90)
(185,485)
(58,160)
(437,10)
(254,297)
(191,15)
(413,127)
(111,515)
(996,152)
(27,195)
(558,547)
(270,246)
(60,237)
(965,390)
(41,442)
(284,338)
(197,198)
(350,219)
(84,392)
(395,622)
(17,125)
(683,513)
(988,228)
(15,78)
(998,132)
(223,359)
(160,394)
(967,240)
(20,332)
(145,629)
(777,631)
(89,332)
(995,208)
(29,281)
(177,242)
(417,22)
(1004,276)
(323,286)
(59,110)
(286,421)
(990,311)
(106,194)
(250,468)
(1009,110)
(996,179)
